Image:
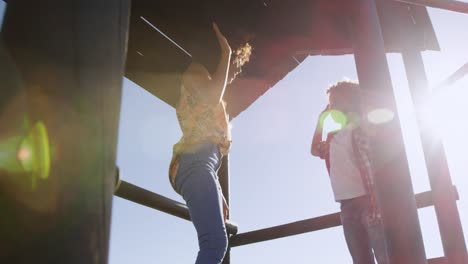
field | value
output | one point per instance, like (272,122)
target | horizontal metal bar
(147,198)
(424,199)
(449,260)
(440,260)
(454,77)
(291,229)
(451,5)
(313,224)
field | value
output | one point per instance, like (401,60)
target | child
(202,116)
(346,152)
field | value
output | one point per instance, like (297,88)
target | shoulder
(195,72)
(198,83)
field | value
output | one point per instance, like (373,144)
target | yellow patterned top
(201,122)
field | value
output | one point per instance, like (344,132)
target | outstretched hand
(223,43)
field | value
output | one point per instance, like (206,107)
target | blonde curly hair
(241,55)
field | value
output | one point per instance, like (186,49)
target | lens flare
(24,154)
(27,154)
(41,151)
(380,116)
(332,121)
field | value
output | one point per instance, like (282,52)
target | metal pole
(392,178)
(70,56)
(158,202)
(310,225)
(450,5)
(448,218)
(223,175)
(454,77)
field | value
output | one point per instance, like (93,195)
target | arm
(218,82)
(198,80)
(318,146)
(361,146)
(316,140)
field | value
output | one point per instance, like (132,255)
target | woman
(206,138)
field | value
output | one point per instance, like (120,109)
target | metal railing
(147,198)
(158,202)
(153,200)
(313,224)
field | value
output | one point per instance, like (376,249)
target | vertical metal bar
(448,217)
(392,179)
(227,257)
(70,56)
(223,175)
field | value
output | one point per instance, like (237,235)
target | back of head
(350,91)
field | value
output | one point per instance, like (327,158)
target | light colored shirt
(345,173)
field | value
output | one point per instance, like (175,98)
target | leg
(378,242)
(356,232)
(197,182)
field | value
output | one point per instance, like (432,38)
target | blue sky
(274,179)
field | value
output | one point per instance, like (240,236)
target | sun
(446,111)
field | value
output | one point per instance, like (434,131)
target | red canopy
(283,34)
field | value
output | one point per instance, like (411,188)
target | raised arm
(197,77)
(318,146)
(218,82)
(315,147)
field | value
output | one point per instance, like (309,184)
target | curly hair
(349,89)
(241,55)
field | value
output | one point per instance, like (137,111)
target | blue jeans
(197,182)
(361,236)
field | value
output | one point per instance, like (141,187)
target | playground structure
(64,66)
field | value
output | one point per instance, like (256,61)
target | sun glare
(24,154)
(332,121)
(380,116)
(446,111)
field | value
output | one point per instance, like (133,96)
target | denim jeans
(361,236)
(197,182)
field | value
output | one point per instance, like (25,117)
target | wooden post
(392,178)
(70,57)
(448,218)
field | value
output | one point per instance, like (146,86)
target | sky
(274,179)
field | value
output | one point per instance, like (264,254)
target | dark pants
(198,184)
(362,236)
